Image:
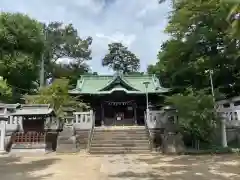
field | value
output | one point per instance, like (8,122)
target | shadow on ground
(222,167)
(13,168)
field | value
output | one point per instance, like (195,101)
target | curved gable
(117,82)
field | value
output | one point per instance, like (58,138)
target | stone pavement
(118,167)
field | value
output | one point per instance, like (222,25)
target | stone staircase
(119,140)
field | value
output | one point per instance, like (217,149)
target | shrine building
(119,100)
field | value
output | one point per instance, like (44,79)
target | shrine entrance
(119,113)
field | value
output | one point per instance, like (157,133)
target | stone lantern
(172,139)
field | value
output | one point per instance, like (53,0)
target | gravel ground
(118,167)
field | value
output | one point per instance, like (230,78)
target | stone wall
(233,136)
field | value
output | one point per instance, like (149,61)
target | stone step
(120,151)
(121,133)
(118,148)
(82,133)
(66,132)
(119,138)
(110,141)
(119,127)
(99,144)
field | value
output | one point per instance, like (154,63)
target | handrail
(148,130)
(90,136)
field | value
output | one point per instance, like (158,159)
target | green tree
(234,17)
(71,71)
(5,91)
(199,41)
(63,41)
(119,58)
(57,96)
(20,33)
(196,117)
(21,44)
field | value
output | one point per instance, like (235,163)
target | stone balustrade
(83,120)
(231,117)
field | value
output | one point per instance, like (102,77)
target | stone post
(77,118)
(11,120)
(224,133)
(147,117)
(2,136)
(92,117)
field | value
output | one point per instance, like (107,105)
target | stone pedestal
(173,144)
(66,142)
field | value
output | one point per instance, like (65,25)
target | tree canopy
(199,41)
(24,40)
(119,58)
(21,44)
(63,41)
(203,38)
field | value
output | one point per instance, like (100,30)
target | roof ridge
(123,75)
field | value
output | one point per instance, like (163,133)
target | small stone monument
(172,139)
(67,142)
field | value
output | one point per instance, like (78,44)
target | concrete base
(28,146)
(27,151)
(3,152)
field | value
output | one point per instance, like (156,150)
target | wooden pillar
(102,112)
(135,114)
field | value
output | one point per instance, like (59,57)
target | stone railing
(83,120)
(14,123)
(231,117)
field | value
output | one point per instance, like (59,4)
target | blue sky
(138,24)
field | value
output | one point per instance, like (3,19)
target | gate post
(2,135)
(92,117)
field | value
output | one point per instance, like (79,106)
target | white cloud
(126,40)
(138,24)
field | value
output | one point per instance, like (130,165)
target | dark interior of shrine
(33,123)
(119,108)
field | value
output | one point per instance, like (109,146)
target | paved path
(119,167)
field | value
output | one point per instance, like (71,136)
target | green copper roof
(131,84)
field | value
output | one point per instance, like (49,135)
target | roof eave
(110,92)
